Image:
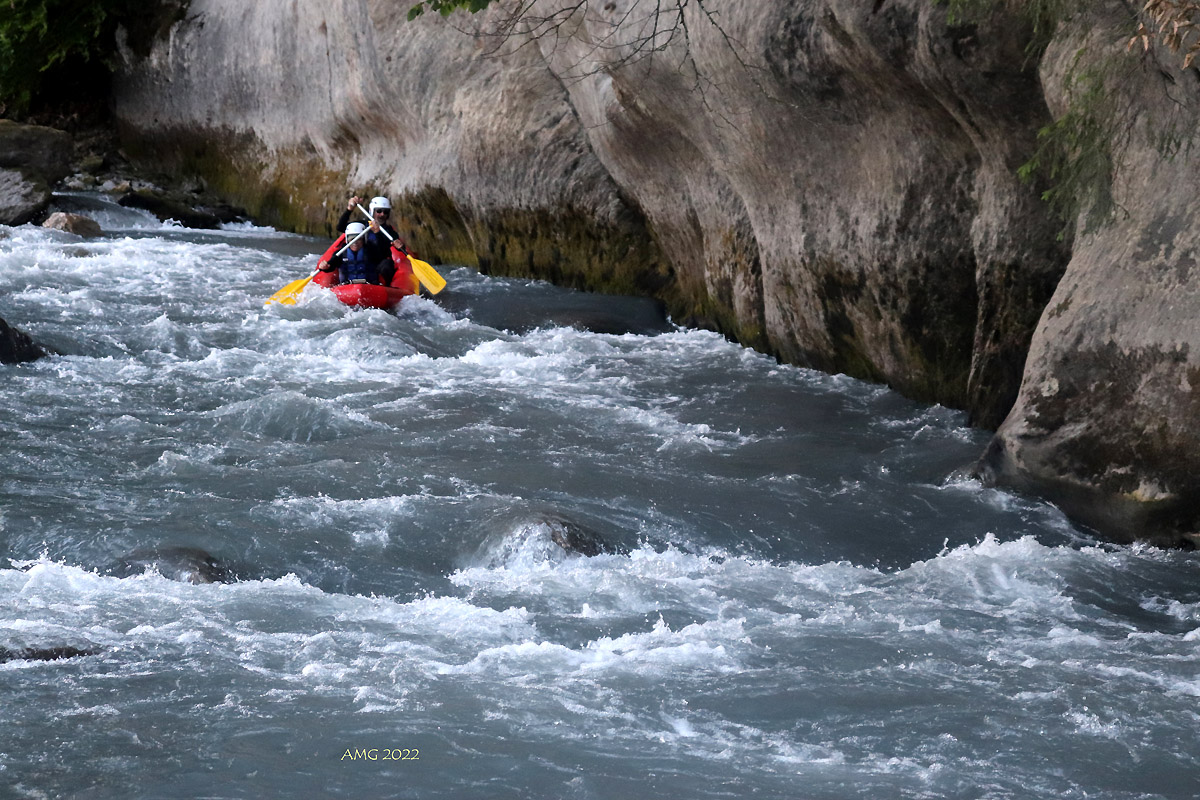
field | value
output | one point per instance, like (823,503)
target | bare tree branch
(606,37)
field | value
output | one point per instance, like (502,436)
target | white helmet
(354,229)
(379,202)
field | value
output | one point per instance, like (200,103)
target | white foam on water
(249,227)
(704,657)
(369,521)
(292,416)
(381,656)
(660,652)
(588,375)
(280,626)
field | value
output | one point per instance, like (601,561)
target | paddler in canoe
(365,261)
(379,214)
(381,260)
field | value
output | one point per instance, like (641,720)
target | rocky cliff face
(833,181)
(1106,421)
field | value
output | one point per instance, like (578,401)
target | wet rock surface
(183,564)
(33,158)
(16,346)
(77,224)
(544,537)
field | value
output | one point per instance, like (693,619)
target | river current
(807,596)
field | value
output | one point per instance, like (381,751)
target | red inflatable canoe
(370,295)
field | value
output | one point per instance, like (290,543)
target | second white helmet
(379,202)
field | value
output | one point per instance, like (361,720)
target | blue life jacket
(357,266)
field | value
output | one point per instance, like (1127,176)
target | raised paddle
(427,275)
(289,294)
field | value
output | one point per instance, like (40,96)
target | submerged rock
(16,346)
(576,539)
(42,653)
(167,208)
(540,538)
(184,564)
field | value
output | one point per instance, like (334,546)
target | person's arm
(344,219)
(386,270)
(326,264)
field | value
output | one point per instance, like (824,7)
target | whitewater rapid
(806,596)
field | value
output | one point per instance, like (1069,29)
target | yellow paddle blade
(427,275)
(289,294)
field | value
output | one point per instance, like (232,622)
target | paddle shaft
(352,241)
(391,238)
(344,249)
(287,295)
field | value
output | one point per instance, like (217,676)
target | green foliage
(1074,156)
(965,12)
(38,37)
(1043,16)
(447,7)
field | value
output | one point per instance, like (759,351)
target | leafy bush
(42,39)
(1074,155)
(447,7)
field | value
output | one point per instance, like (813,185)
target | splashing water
(798,594)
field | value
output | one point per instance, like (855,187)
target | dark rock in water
(73,223)
(21,197)
(36,148)
(42,653)
(575,538)
(209,217)
(184,564)
(539,537)
(16,346)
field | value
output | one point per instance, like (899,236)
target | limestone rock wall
(836,182)
(288,107)
(1108,418)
